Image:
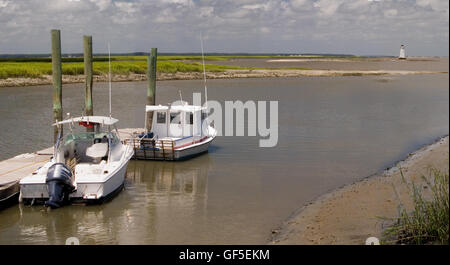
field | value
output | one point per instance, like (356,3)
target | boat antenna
(181,97)
(204,81)
(109,75)
(204,72)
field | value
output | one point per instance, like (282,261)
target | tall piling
(88,81)
(151,88)
(57,80)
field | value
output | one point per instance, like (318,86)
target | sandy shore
(350,60)
(67,79)
(355,212)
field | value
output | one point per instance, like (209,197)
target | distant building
(402,55)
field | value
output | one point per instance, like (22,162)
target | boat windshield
(95,137)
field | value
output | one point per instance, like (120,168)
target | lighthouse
(402,55)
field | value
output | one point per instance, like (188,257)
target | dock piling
(88,82)
(57,80)
(151,88)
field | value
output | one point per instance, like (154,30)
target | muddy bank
(364,209)
(68,79)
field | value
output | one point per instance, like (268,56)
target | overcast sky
(360,27)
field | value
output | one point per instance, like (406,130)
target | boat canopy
(90,119)
(155,108)
(186,108)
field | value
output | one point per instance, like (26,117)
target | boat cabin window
(161,117)
(189,118)
(114,138)
(89,147)
(175,118)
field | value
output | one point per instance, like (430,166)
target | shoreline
(350,214)
(228,74)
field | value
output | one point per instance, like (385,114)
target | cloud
(265,30)
(299,26)
(328,7)
(390,12)
(3,3)
(436,5)
(102,4)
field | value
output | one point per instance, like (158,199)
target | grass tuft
(428,223)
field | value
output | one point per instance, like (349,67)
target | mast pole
(204,81)
(109,75)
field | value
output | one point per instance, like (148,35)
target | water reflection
(188,178)
(167,198)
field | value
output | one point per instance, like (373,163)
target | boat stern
(33,188)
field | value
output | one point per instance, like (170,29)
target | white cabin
(176,122)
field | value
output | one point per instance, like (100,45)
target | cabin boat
(178,132)
(86,167)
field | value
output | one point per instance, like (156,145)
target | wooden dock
(14,169)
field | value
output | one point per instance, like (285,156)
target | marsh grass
(36,69)
(428,222)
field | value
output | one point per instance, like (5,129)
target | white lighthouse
(402,55)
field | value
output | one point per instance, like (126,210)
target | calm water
(332,131)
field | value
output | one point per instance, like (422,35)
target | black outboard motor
(59,184)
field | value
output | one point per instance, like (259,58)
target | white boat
(86,167)
(178,133)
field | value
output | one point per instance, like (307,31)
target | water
(332,131)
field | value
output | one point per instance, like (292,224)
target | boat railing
(184,138)
(148,148)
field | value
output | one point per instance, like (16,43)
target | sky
(359,27)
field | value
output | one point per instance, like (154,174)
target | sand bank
(67,79)
(352,213)
(309,60)
(349,60)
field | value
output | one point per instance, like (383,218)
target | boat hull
(9,194)
(176,154)
(89,192)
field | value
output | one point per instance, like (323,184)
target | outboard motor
(59,184)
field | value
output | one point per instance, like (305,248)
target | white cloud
(338,26)
(254,6)
(206,11)
(328,7)
(299,3)
(265,29)
(390,12)
(102,4)
(437,5)
(165,16)
(3,3)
